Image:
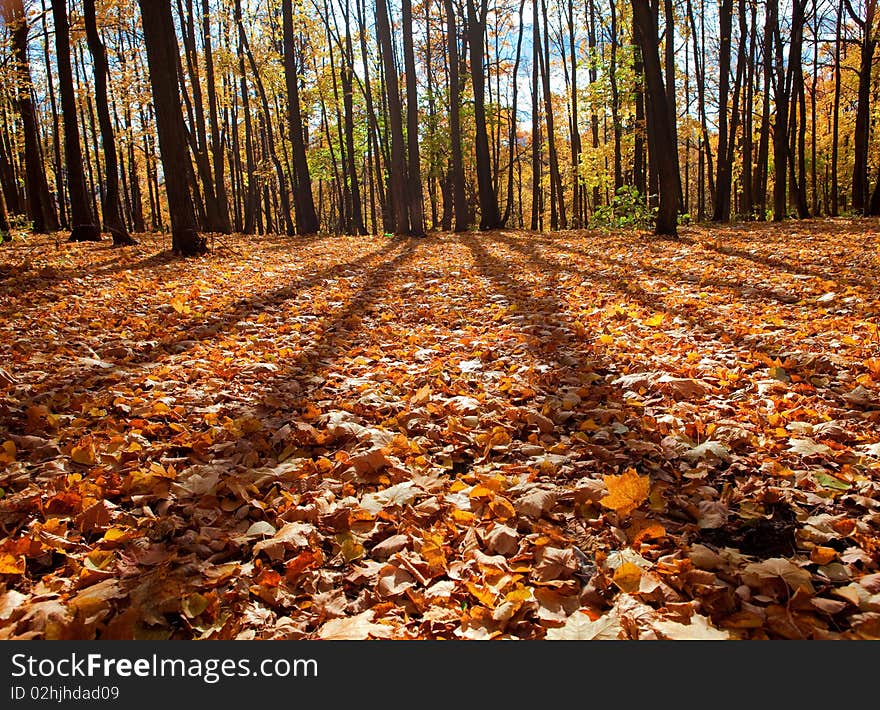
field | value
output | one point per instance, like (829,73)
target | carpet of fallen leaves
(503,435)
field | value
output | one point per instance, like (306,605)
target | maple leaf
(626,492)
(356,627)
(794,576)
(10,564)
(807,447)
(699,629)
(579,627)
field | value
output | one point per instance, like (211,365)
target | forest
(447,319)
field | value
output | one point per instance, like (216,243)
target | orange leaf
(502,508)
(462,517)
(84,454)
(7,452)
(627,577)
(626,492)
(645,530)
(10,564)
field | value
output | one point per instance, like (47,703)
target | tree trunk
(162,55)
(306,218)
(56,127)
(615,99)
(397,168)
(748,200)
(861,137)
(557,196)
(82,221)
(457,168)
(835,117)
(414,164)
(658,120)
(576,187)
(490,216)
(225,224)
(537,189)
(269,138)
(113,221)
(251,196)
(721,211)
(357,217)
(511,138)
(41,209)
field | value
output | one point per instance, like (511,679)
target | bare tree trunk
(835,117)
(748,200)
(306,219)
(270,139)
(83,227)
(397,168)
(113,221)
(457,170)
(615,99)
(56,127)
(40,207)
(537,201)
(250,188)
(414,164)
(490,216)
(557,197)
(658,120)
(721,208)
(861,137)
(224,224)
(357,217)
(162,54)
(511,138)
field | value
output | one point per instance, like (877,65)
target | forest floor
(502,435)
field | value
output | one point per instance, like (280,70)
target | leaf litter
(505,435)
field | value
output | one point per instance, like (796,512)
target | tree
(658,124)
(113,220)
(40,207)
(398,176)
(863,107)
(162,53)
(83,227)
(490,216)
(414,166)
(306,218)
(456,172)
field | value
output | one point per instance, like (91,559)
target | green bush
(627,210)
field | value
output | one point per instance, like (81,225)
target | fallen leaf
(580,627)
(626,492)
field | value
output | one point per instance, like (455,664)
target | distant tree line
(361,116)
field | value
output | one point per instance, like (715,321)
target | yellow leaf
(194,604)
(626,492)
(10,564)
(98,559)
(502,508)
(481,491)
(627,577)
(462,517)
(178,303)
(606,339)
(645,530)
(422,396)
(655,320)
(84,454)
(432,552)
(114,534)
(7,452)
(350,548)
(485,595)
